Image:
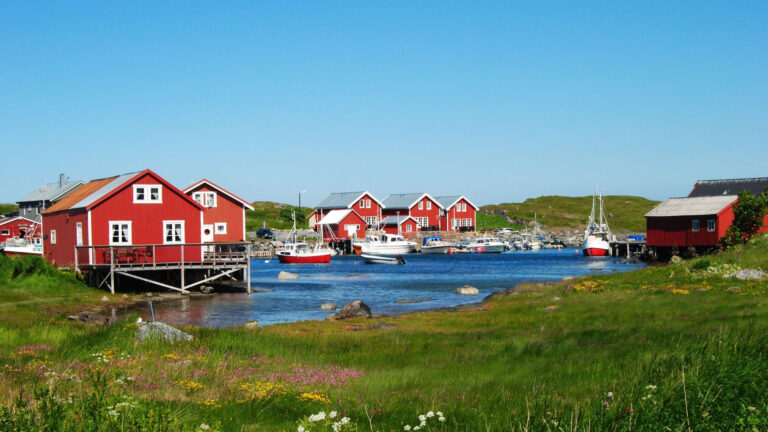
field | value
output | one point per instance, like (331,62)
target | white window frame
(220,228)
(711,225)
(367,203)
(371,220)
(421,205)
(5,232)
(362,203)
(173,224)
(466,222)
(79,233)
(129,239)
(207,199)
(422,221)
(408,227)
(456,223)
(429,205)
(695,225)
(53,237)
(463,207)
(146,190)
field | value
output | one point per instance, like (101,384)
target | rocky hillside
(625,213)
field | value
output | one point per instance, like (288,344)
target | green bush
(12,268)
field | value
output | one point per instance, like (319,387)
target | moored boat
(383,259)
(302,253)
(22,246)
(597,236)
(435,245)
(387,244)
(486,245)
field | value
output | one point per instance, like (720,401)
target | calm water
(380,286)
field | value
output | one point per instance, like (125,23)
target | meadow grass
(675,347)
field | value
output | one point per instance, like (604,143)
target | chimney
(62,179)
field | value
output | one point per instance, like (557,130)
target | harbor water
(425,281)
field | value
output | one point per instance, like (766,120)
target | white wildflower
(114,413)
(300,429)
(317,417)
(203,426)
(442,419)
(422,417)
(610,395)
(344,420)
(332,414)
(430,414)
(407,427)
(416,428)
(439,413)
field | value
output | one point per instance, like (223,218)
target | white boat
(486,245)
(597,236)
(22,246)
(387,244)
(435,245)
(295,252)
(383,259)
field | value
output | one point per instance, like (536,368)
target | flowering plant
(324,422)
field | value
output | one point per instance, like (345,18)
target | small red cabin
(138,216)
(338,224)
(363,203)
(690,222)
(458,213)
(17,226)
(223,212)
(424,209)
(408,226)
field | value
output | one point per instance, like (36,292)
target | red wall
(374,211)
(338,230)
(433,214)
(392,229)
(453,213)
(14,228)
(227,211)
(63,252)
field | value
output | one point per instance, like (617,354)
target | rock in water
(205,289)
(467,290)
(284,275)
(328,306)
(352,310)
(150,330)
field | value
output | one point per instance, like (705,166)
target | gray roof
(448,201)
(698,206)
(51,191)
(104,190)
(394,220)
(729,187)
(339,200)
(403,201)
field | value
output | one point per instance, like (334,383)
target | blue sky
(497,101)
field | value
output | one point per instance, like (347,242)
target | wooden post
(154,258)
(182,268)
(77,268)
(111,270)
(248,267)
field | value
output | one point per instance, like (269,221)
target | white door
(207,234)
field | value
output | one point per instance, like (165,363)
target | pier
(164,265)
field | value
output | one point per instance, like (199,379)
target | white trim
(220,189)
(17,218)
(356,200)
(244,235)
(90,240)
(5,232)
(216,228)
(52,236)
(695,225)
(173,224)
(130,233)
(146,191)
(78,233)
(713,223)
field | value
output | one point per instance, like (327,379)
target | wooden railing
(162,255)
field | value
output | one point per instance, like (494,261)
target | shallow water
(348,278)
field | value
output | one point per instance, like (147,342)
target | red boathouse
(339,224)
(363,203)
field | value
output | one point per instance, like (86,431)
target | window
(362,203)
(421,205)
(367,203)
(5,232)
(371,220)
(456,223)
(429,205)
(466,222)
(710,225)
(53,237)
(173,232)
(695,225)
(120,232)
(221,228)
(409,227)
(463,207)
(145,194)
(79,233)
(205,199)
(422,221)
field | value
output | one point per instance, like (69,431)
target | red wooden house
(420,206)
(338,224)
(223,212)
(123,215)
(17,226)
(403,225)
(458,213)
(363,203)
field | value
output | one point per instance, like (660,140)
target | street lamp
(300,202)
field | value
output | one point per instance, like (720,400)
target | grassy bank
(677,346)
(625,213)
(268,213)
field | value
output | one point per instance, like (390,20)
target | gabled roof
(335,216)
(395,220)
(97,191)
(698,206)
(728,187)
(213,185)
(406,201)
(449,201)
(50,191)
(339,200)
(7,220)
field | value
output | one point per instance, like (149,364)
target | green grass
(7,208)
(625,213)
(269,212)
(488,221)
(673,345)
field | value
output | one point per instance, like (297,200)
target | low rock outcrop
(747,275)
(467,290)
(353,309)
(162,331)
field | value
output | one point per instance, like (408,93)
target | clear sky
(496,101)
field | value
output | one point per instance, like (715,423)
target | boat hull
(304,259)
(378,259)
(20,253)
(595,252)
(435,249)
(388,249)
(594,246)
(488,249)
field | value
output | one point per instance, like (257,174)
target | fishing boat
(28,242)
(387,244)
(295,252)
(486,245)
(383,259)
(435,245)
(597,236)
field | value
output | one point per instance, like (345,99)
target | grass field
(677,347)
(266,212)
(7,208)
(625,213)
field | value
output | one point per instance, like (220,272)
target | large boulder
(162,331)
(467,290)
(284,275)
(352,310)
